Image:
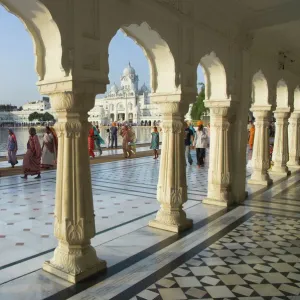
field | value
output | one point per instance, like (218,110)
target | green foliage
(34,116)
(198,108)
(46,117)
(7,107)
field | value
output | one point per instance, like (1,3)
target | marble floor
(105,152)
(251,252)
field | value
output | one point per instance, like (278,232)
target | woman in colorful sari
(49,149)
(98,139)
(12,148)
(32,158)
(91,143)
(251,136)
(127,136)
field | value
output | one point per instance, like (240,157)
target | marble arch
(215,77)
(260,90)
(45,35)
(297,98)
(158,54)
(282,94)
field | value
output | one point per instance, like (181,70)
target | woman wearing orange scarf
(251,136)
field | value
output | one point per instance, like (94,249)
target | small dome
(144,89)
(114,89)
(129,70)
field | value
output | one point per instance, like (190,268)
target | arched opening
(297,99)
(211,86)
(24,55)
(215,77)
(282,96)
(45,35)
(260,91)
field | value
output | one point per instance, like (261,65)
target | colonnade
(286,147)
(72,65)
(74,258)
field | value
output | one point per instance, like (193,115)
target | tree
(47,117)
(199,108)
(34,116)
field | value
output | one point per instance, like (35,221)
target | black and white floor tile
(260,259)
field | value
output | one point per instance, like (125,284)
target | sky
(17,61)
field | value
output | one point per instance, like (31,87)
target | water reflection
(143,135)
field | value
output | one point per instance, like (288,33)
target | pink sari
(32,158)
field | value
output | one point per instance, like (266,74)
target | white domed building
(126,102)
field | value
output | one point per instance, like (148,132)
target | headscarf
(32,131)
(11,131)
(199,123)
(55,137)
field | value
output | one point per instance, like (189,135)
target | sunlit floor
(251,251)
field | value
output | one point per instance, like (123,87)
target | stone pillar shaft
(294,141)
(280,155)
(74,258)
(261,147)
(218,173)
(172,187)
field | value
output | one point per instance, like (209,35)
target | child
(155,142)
(108,138)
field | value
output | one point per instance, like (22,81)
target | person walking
(49,149)
(200,143)
(251,136)
(12,148)
(108,138)
(32,158)
(98,139)
(188,141)
(114,135)
(155,142)
(127,141)
(91,143)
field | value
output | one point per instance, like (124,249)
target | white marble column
(74,258)
(218,172)
(294,141)
(172,186)
(280,155)
(261,146)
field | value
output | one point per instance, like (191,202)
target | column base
(266,182)
(74,278)
(280,171)
(170,227)
(216,202)
(294,168)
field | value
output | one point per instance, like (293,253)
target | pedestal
(172,187)
(218,172)
(74,258)
(261,147)
(294,142)
(281,149)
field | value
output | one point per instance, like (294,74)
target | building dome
(144,89)
(129,70)
(114,89)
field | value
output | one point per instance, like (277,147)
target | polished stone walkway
(141,260)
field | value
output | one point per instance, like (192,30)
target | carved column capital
(72,102)
(169,108)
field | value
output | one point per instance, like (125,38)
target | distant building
(38,106)
(126,102)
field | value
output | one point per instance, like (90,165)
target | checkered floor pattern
(260,259)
